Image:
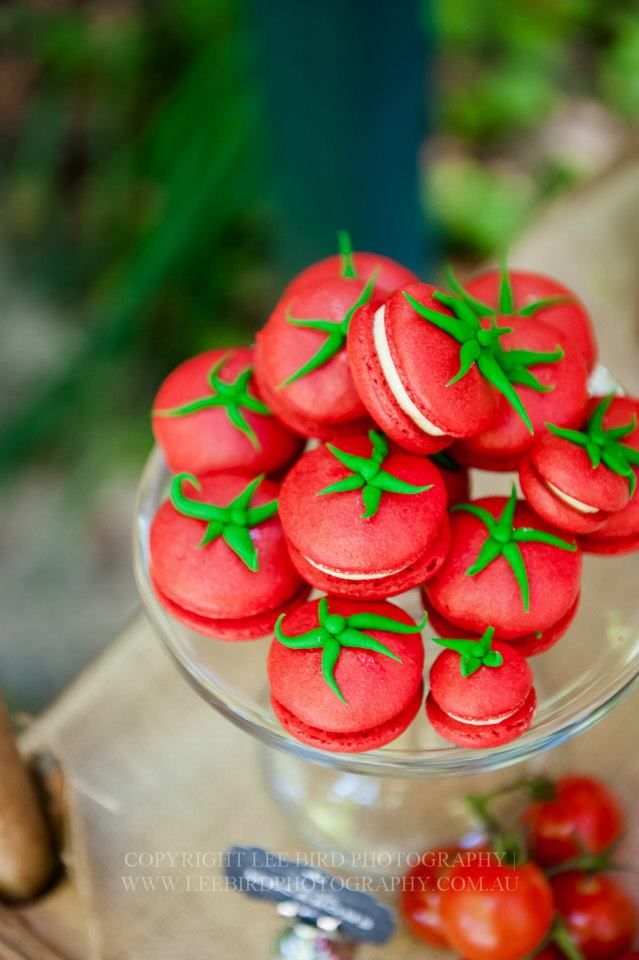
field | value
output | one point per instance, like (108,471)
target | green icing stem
(335,632)
(232,522)
(503,541)
(603,446)
(367,475)
(474,653)
(232,397)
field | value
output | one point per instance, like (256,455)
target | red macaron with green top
(345,675)
(577,479)
(354,263)
(526,294)
(620,533)
(208,416)
(218,557)
(364,519)
(481,692)
(508,569)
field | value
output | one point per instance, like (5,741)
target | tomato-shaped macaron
(481,692)
(575,479)
(523,293)
(508,569)
(620,533)
(349,263)
(346,675)
(208,416)
(364,519)
(219,561)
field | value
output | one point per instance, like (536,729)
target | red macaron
(349,263)
(555,392)
(219,561)
(576,479)
(522,293)
(208,416)
(346,676)
(508,569)
(301,363)
(364,519)
(481,693)
(620,533)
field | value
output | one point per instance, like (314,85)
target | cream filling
(570,501)
(393,379)
(482,723)
(340,575)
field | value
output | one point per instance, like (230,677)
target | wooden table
(151,769)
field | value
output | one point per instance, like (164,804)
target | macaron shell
(329,529)
(489,693)
(553,510)
(326,395)
(493,597)
(207,441)
(481,737)
(350,742)
(377,688)
(379,589)
(373,388)
(427,359)
(390,273)
(212,581)
(233,630)
(571,319)
(529,646)
(508,440)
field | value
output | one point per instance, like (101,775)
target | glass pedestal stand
(409,795)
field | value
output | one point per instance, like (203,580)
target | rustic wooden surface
(152,768)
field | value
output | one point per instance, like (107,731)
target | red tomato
(598,914)
(584,817)
(491,911)
(420,895)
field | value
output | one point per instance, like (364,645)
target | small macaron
(365,519)
(208,416)
(355,264)
(522,293)
(456,477)
(406,357)
(346,676)
(506,568)
(576,479)
(620,533)
(219,561)
(555,392)
(481,692)
(300,361)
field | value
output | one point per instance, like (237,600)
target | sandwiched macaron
(508,569)
(620,532)
(576,479)
(481,692)
(346,676)
(219,561)
(522,293)
(430,369)
(301,363)
(456,477)
(208,417)
(354,264)
(364,519)
(555,392)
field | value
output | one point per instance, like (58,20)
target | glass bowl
(583,677)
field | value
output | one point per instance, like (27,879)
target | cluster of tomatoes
(545,892)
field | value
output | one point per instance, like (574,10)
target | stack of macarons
(336,454)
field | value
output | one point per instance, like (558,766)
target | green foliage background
(131,192)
